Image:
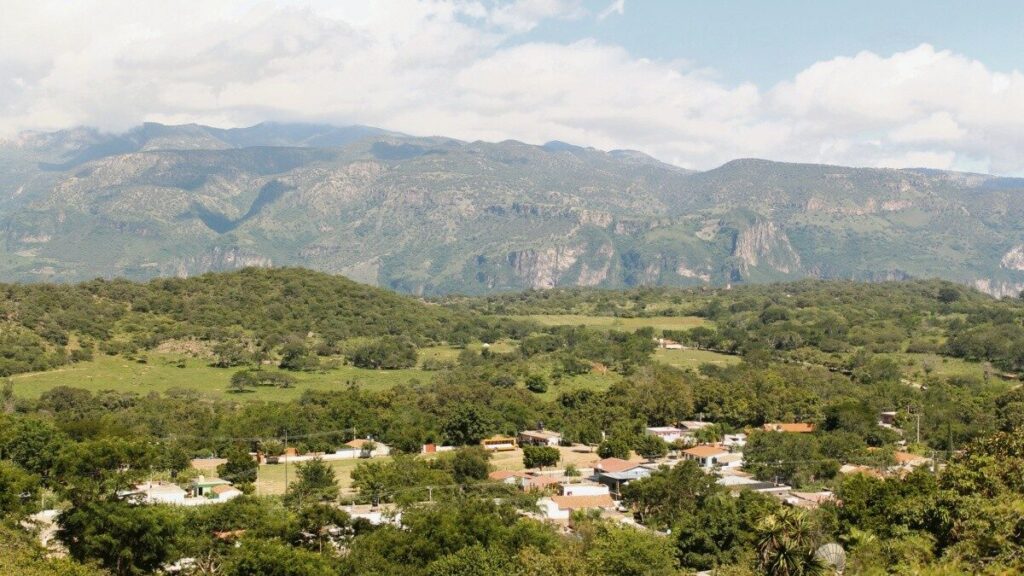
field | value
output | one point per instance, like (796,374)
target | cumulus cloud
(463,68)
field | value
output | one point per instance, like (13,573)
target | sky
(933,83)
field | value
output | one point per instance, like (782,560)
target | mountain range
(437,215)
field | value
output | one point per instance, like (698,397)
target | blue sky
(768,41)
(933,84)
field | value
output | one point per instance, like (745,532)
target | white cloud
(616,7)
(461,69)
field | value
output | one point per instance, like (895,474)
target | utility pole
(285,462)
(919,428)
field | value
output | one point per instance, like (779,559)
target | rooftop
(797,427)
(541,434)
(615,465)
(706,451)
(579,502)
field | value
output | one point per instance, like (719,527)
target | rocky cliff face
(543,268)
(764,244)
(1014,259)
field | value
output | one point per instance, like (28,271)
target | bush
(388,353)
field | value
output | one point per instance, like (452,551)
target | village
(573,481)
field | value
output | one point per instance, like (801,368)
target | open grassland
(659,323)
(161,373)
(693,358)
(916,366)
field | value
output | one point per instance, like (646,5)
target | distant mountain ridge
(438,215)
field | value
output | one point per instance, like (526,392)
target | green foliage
(126,539)
(240,468)
(540,456)
(669,494)
(388,353)
(627,551)
(317,483)
(794,459)
(651,447)
(270,558)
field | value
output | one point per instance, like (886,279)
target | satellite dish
(832,555)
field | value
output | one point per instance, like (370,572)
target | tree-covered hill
(46,325)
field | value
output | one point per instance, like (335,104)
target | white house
(735,440)
(667,433)
(584,489)
(539,438)
(712,457)
(159,493)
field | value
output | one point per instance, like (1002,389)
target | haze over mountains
(437,215)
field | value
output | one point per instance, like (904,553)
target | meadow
(659,323)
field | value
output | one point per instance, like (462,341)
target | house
(375,515)
(225,492)
(809,500)
(790,427)
(735,440)
(908,461)
(738,483)
(667,433)
(694,425)
(584,489)
(887,419)
(614,465)
(158,493)
(538,483)
(514,477)
(499,443)
(202,491)
(619,476)
(213,489)
(366,448)
(562,507)
(710,457)
(539,438)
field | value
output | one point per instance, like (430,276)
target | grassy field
(693,358)
(659,323)
(914,366)
(271,476)
(161,373)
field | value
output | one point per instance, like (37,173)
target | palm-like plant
(786,545)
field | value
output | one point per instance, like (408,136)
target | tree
(126,539)
(270,558)
(651,447)
(669,494)
(387,353)
(470,463)
(628,551)
(17,488)
(536,383)
(240,468)
(540,456)
(786,545)
(316,483)
(613,448)
(466,425)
